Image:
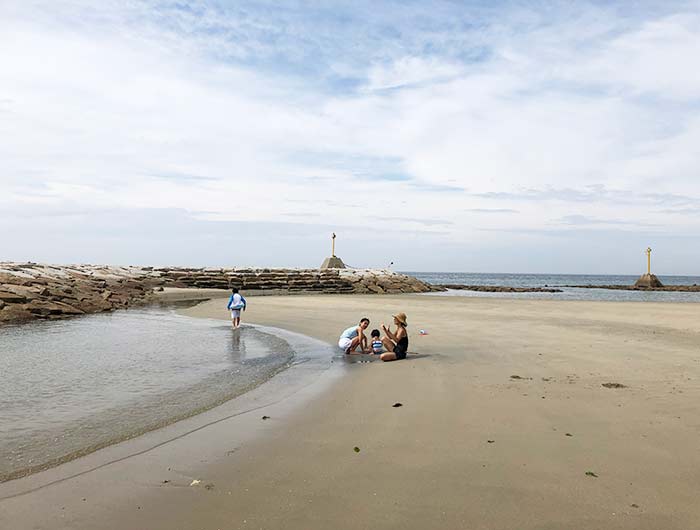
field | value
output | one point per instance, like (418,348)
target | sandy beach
(505,423)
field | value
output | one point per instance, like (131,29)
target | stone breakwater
(31,291)
(500,288)
(667,288)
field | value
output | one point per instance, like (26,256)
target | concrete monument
(334,262)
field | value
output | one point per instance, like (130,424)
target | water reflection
(236,348)
(76,385)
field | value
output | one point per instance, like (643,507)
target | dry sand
(471,447)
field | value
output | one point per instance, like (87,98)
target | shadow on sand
(372,358)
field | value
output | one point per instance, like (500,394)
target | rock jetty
(668,288)
(31,291)
(500,288)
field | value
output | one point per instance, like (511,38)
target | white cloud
(408,71)
(655,59)
(202,110)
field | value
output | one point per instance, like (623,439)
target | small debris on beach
(591,474)
(516,377)
(209,486)
(397,404)
(568,434)
(166,481)
(490,441)
(614,385)
(195,482)
(356,449)
(266,417)
(634,505)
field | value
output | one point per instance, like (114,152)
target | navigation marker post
(648,280)
(333,262)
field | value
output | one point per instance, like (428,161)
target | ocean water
(559,281)
(70,387)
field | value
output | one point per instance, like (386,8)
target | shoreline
(472,446)
(292,386)
(141,424)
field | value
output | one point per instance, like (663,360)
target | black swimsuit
(401,347)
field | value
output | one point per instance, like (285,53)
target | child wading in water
(236,303)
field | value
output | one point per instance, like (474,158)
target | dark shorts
(400,352)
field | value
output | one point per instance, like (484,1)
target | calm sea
(558,281)
(70,387)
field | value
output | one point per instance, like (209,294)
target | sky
(484,136)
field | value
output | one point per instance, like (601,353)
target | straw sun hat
(401,317)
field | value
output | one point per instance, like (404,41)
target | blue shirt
(349,333)
(236,301)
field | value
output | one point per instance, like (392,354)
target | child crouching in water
(377,345)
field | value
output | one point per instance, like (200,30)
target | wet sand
(505,423)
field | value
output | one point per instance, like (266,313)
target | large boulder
(12,298)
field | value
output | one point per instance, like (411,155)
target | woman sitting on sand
(396,343)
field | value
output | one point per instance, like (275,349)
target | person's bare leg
(353,346)
(389,354)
